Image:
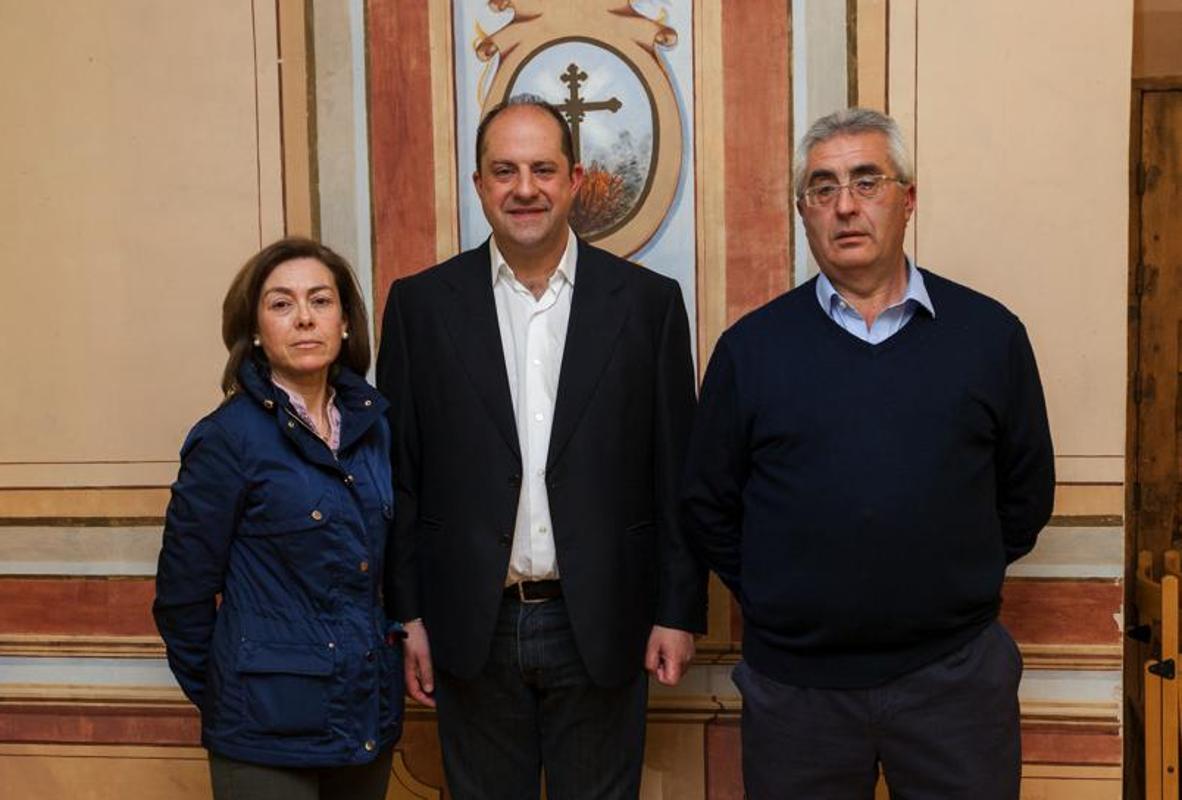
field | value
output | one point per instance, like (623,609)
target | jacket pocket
(286,686)
(287,520)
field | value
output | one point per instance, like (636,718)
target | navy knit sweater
(862,501)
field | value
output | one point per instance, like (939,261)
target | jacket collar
(360,404)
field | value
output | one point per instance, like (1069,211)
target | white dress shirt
(533,335)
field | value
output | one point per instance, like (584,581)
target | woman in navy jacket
(281,508)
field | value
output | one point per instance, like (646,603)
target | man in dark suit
(542,391)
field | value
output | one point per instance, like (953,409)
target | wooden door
(1155,472)
(1157,499)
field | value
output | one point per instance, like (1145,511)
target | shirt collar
(827,294)
(566,265)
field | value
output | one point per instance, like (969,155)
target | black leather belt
(534,591)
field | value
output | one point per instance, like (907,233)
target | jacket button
(268,404)
(369,656)
(290,423)
(370,745)
(363,566)
(515,481)
(368,403)
(506,540)
(316,515)
(348,480)
(332,645)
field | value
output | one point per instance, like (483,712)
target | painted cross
(576,107)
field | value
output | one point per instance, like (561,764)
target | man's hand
(416,664)
(669,652)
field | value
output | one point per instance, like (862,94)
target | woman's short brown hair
(240,308)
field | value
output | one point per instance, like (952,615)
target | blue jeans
(534,707)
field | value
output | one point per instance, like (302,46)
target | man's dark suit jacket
(621,421)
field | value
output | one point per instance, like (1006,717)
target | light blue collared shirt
(886,324)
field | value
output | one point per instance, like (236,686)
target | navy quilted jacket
(297,665)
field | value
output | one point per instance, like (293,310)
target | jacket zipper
(313,431)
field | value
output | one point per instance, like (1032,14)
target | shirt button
(541,472)
(316,515)
(539,416)
(537,362)
(363,566)
(370,745)
(542,529)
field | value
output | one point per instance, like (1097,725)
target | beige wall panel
(901,88)
(44,772)
(141,165)
(1022,143)
(674,761)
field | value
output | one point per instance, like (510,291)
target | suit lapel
(472,322)
(596,317)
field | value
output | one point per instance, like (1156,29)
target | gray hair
(847,122)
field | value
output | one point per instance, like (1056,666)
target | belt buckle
(521,595)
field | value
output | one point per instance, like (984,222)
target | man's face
(852,234)
(525,184)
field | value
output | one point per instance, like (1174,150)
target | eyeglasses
(866,187)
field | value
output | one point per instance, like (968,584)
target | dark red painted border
(401,137)
(757,96)
(81,606)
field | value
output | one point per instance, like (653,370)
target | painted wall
(141,163)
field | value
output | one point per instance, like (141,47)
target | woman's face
(301,322)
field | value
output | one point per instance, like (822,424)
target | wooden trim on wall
(710,178)
(83,506)
(443,131)
(871,66)
(297,110)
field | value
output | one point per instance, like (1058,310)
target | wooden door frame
(1134,651)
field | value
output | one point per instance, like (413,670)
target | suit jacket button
(515,481)
(506,540)
(316,515)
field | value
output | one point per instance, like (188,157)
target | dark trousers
(239,780)
(947,731)
(534,707)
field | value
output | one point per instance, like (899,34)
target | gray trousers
(947,731)
(239,780)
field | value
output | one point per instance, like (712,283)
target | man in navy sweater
(871,450)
